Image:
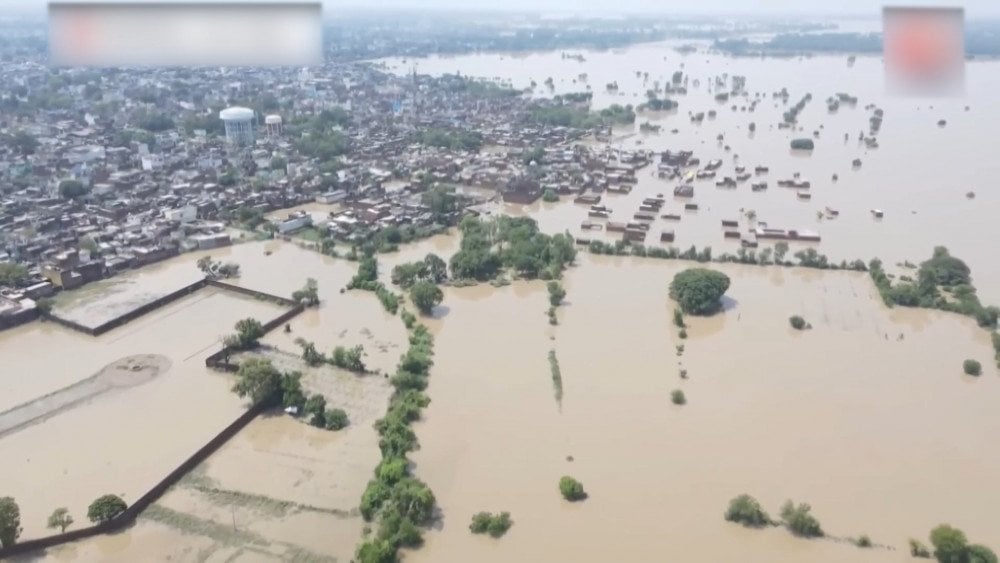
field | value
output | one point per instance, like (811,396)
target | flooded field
(771,412)
(95,431)
(301,503)
(919,175)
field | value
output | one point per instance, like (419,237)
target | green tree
(425,296)
(797,322)
(13,275)
(259,380)
(310,355)
(248,333)
(800,521)
(556,293)
(699,290)
(106,508)
(71,189)
(746,510)
(571,489)
(23,142)
(10,521)
(949,544)
(60,518)
(291,391)
(677,397)
(437,269)
(441,200)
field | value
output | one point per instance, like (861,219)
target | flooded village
(601,173)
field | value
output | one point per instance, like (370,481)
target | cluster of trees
(349,358)
(431,269)
(399,502)
(454,139)
(581,118)
(951,546)
(320,137)
(571,489)
(699,290)
(509,242)
(13,275)
(248,334)
(807,258)
(556,295)
(308,295)
(264,384)
(216,269)
(367,279)
(657,104)
(942,273)
(495,525)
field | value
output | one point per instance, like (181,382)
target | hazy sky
(974,8)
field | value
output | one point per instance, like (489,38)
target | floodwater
(771,412)
(918,175)
(120,440)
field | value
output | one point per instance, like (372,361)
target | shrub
(918,549)
(683,334)
(800,521)
(863,541)
(747,511)
(335,419)
(550,196)
(315,408)
(677,397)
(980,554)
(972,367)
(699,290)
(678,318)
(797,322)
(494,525)
(571,489)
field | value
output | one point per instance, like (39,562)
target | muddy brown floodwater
(867,416)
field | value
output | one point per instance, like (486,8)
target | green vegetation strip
(397,501)
(556,376)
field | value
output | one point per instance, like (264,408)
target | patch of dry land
(867,417)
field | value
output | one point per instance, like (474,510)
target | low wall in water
(128,517)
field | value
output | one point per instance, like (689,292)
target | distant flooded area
(920,175)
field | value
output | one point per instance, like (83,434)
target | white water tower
(273,125)
(239,125)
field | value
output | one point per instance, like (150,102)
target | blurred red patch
(924,49)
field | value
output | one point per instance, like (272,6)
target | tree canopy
(10,521)
(12,274)
(259,380)
(425,296)
(746,510)
(72,189)
(105,508)
(699,290)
